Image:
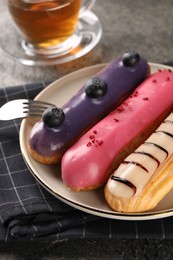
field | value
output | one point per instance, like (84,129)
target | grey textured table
(145,26)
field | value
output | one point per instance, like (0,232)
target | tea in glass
(45,23)
(49,32)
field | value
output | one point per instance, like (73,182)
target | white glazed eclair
(146,175)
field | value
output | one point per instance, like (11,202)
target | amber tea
(45,23)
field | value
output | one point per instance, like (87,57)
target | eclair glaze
(47,144)
(90,161)
(152,154)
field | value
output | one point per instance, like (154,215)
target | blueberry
(96,87)
(130,58)
(53,117)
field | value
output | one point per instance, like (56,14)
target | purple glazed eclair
(59,128)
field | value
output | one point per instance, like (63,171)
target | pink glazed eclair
(146,175)
(59,128)
(89,163)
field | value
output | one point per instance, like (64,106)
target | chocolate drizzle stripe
(158,146)
(136,163)
(164,132)
(168,122)
(149,155)
(124,181)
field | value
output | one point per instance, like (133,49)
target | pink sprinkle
(116,120)
(92,136)
(89,144)
(95,132)
(154,80)
(100,142)
(145,98)
(136,94)
(120,109)
(168,79)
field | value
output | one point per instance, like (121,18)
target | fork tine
(40,101)
(22,108)
(34,115)
(33,105)
(27,111)
(35,108)
(35,102)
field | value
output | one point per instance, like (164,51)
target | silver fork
(21,108)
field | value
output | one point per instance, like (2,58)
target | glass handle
(86,5)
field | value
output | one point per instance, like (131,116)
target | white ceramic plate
(50,176)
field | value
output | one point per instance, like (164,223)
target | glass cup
(47,26)
(49,32)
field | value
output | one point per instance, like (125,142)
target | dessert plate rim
(49,177)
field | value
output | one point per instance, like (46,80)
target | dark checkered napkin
(29,212)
